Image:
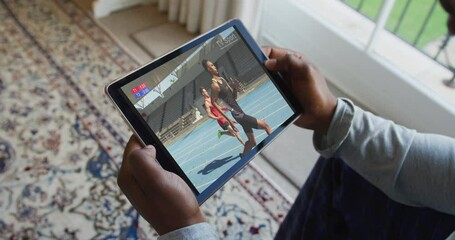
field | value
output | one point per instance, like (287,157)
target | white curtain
(200,16)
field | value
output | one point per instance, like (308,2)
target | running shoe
(219,134)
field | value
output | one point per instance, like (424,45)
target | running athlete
(213,113)
(222,90)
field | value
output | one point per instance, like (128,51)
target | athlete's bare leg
(226,133)
(249,144)
(233,133)
(263,125)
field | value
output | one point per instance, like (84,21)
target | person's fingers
(124,174)
(282,64)
(271,64)
(145,169)
(139,159)
(277,52)
(131,189)
(138,167)
(127,182)
(140,199)
(290,63)
(133,144)
(266,50)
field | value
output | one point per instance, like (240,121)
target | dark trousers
(337,203)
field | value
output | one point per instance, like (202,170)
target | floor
(146,34)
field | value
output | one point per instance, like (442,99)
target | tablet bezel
(141,129)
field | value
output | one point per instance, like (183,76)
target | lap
(337,203)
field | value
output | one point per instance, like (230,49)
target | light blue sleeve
(203,231)
(412,168)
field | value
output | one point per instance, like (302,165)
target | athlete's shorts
(225,125)
(246,121)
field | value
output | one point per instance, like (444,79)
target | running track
(204,157)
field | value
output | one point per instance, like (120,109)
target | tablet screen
(175,99)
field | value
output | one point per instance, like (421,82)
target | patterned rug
(61,142)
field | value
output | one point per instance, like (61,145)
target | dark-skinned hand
(308,86)
(161,197)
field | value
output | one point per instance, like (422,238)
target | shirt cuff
(196,231)
(328,144)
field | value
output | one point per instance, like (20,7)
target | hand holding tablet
(164,107)
(161,197)
(310,91)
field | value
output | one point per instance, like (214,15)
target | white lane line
(246,105)
(207,183)
(208,162)
(183,149)
(268,106)
(220,143)
(276,111)
(209,149)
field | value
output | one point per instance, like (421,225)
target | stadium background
(181,108)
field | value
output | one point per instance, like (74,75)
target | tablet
(208,106)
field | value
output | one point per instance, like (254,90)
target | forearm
(224,108)
(210,115)
(412,168)
(428,172)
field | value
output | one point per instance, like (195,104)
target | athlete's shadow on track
(216,164)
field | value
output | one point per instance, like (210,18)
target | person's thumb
(150,150)
(286,63)
(277,65)
(147,152)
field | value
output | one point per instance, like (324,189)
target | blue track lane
(204,157)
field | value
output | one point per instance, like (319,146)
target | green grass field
(412,21)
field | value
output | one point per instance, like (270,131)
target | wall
(102,8)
